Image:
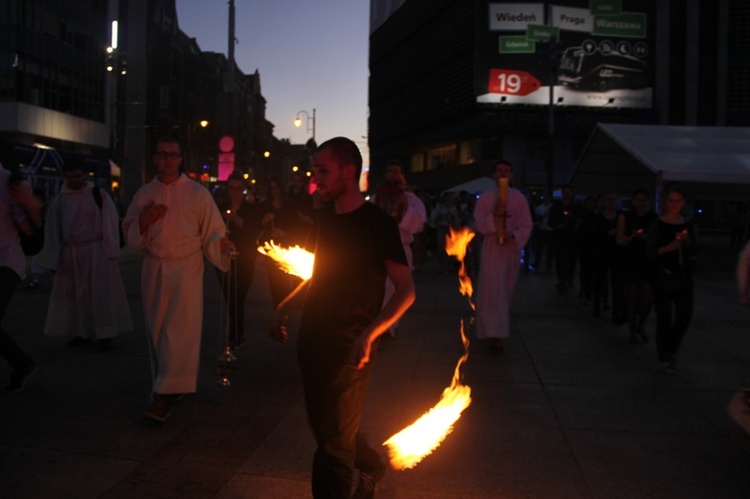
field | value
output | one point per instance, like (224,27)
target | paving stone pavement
(568,410)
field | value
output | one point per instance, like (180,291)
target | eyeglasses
(167,155)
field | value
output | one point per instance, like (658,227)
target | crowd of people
(624,262)
(628,261)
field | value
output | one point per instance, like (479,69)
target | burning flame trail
(294,260)
(415,442)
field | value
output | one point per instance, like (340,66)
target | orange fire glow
(294,260)
(417,441)
(456,243)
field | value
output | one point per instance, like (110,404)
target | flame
(293,260)
(456,243)
(417,441)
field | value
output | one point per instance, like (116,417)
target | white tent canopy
(704,160)
(476,186)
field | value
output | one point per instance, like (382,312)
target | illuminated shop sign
(603,52)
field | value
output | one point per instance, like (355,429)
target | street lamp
(554,53)
(298,122)
(192,129)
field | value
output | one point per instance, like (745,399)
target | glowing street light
(298,122)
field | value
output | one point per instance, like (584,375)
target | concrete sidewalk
(569,410)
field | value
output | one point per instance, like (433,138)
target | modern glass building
(455,84)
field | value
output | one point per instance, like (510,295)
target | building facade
(101,81)
(53,89)
(455,84)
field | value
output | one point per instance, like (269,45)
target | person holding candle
(671,243)
(565,217)
(505,208)
(632,234)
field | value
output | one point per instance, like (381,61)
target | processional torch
(501,209)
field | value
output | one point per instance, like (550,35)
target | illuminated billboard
(594,53)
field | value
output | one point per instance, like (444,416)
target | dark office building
(53,88)
(101,81)
(455,84)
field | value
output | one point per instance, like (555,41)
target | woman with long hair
(671,243)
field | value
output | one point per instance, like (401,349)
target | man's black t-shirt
(348,283)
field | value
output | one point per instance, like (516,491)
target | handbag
(33,243)
(673,282)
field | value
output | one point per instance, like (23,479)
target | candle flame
(417,441)
(293,260)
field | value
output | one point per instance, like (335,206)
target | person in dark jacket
(671,243)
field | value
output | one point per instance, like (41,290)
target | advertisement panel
(594,53)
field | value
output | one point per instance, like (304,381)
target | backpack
(98,199)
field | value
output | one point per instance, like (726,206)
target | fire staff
(357,246)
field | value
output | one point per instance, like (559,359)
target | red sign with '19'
(508,81)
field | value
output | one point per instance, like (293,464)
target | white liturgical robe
(499,265)
(172,275)
(82,244)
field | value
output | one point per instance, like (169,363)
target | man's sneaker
(159,410)
(79,341)
(496,345)
(368,483)
(18,378)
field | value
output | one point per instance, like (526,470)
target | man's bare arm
(399,303)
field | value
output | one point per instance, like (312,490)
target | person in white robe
(176,222)
(82,246)
(499,265)
(410,213)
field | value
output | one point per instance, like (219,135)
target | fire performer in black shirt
(357,245)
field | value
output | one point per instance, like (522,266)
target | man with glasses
(176,222)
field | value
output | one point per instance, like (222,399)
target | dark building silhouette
(67,91)
(687,65)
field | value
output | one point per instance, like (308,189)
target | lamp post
(554,48)
(298,122)
(192,127)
